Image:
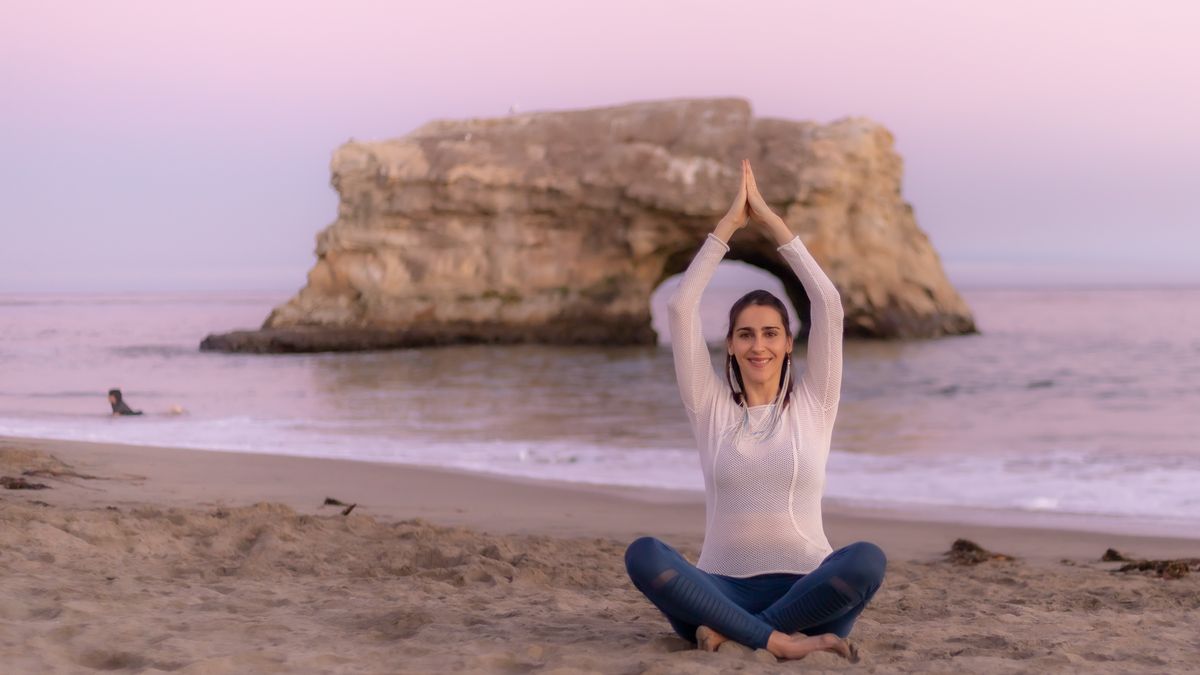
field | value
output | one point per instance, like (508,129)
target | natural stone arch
(557,227)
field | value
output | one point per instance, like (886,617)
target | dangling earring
(785,380)
(730,375)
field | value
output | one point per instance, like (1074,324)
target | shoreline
(186,477)
(948,514)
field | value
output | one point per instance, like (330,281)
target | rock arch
(557,227)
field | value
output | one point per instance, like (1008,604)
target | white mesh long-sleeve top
(762,496)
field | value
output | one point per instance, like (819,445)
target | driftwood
(967,552)
(330,501)
(1113,555)
(10,483)
(1166,569)
(58,473)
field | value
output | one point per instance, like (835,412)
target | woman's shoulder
(720,406)
(805,406)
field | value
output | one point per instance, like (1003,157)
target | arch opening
(732,280)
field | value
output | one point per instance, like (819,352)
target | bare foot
(708,639)
(799,646)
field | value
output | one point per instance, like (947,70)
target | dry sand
(199,562)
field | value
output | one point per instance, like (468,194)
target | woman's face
(759,344)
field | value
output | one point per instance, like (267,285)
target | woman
(766,577)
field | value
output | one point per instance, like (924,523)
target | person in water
(119,406)
(767,576)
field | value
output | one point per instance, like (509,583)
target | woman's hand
(738,215)
(761,212)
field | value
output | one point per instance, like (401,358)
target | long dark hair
(733,372)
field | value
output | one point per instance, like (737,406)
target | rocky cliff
(556,227)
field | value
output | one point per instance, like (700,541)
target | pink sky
(150,145)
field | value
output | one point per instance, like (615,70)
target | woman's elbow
(832,292)
(677,308)
(832,302)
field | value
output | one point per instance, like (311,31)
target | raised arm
(693,365)
(823,375)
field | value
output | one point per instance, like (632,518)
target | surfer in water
(767,576)
(119,406)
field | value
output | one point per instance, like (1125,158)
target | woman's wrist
(780,232)
(725,229)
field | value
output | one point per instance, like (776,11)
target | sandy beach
(142,559)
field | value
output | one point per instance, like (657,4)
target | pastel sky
(185,145)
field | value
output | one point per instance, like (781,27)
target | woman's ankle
(776,644)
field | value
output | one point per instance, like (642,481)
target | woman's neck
(760,394)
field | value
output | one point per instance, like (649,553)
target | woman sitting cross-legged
(767,576)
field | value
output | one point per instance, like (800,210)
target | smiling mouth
(758,363)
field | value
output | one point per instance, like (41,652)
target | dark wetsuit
(119,406)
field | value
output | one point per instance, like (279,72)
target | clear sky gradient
(185,145)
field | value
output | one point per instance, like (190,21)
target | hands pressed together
(749,204)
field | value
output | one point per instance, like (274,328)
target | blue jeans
(827,600)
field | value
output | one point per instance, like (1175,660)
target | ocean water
(1080,403)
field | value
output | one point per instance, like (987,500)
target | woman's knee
(868,562)
(644,558)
